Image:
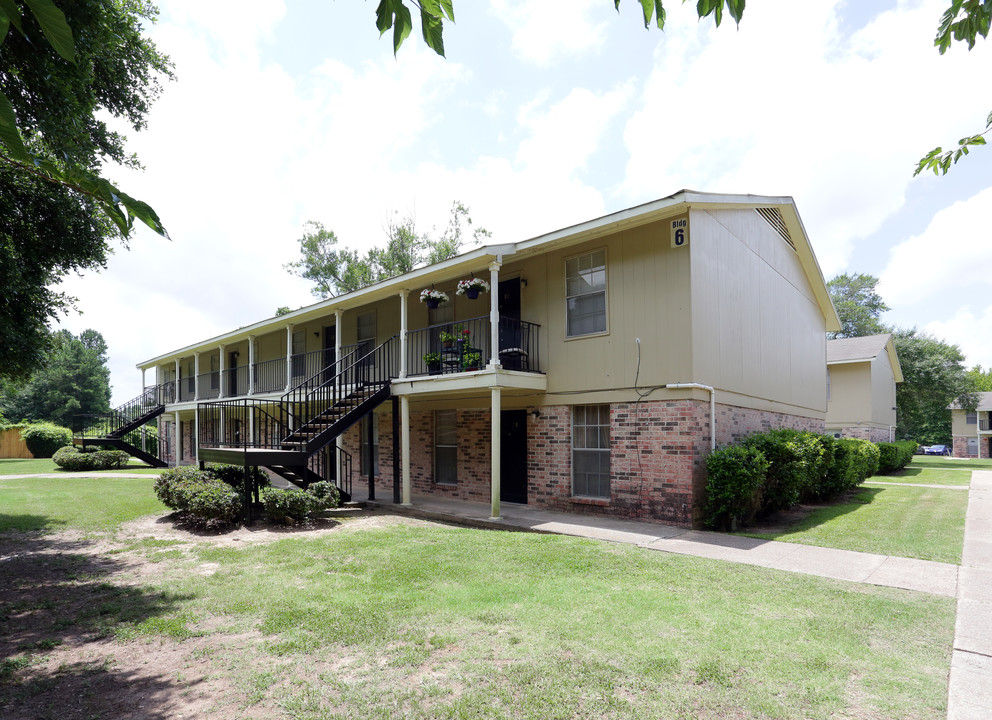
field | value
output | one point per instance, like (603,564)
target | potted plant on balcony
(471,361)
(433,362)
(448,339)
(472,287)
(433,297)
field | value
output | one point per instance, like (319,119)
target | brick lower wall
(874,434)
(658,453)
(960,446)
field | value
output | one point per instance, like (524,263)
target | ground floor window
(591,451)
(446,447)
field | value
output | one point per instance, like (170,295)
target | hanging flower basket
(433,297)
(472,287)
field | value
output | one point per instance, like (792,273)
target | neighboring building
(618,341)
(862,373)
(972,429)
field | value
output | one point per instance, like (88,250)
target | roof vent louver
(774,218)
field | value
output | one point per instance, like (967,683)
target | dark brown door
(513,456)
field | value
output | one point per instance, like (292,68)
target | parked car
(937,450)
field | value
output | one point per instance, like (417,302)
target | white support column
(178,389)
(196,376)
(251,365)
(289,357)
(177,453)
(222,391)
(142,381)
(405,448)
(494,312)
(404,294)
(495,422)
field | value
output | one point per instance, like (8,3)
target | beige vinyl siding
(267,347)
(883,394)
(959,426)
(850,394)
(756,328)
(648,298)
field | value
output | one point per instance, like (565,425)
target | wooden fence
(11,444)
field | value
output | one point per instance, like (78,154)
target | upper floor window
(971,418)
(585,291)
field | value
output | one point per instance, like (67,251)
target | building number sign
(680,233)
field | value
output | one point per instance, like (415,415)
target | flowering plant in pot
(433,362)
(433,297)
(471,361)
(472,287)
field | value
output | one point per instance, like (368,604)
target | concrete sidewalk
(969,695)
(919,575)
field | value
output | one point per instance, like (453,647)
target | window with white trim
(446,447)
(971,417)
(585,294)
(591,451)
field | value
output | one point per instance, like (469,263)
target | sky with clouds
(542,115)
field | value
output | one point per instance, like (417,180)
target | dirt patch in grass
(68,600)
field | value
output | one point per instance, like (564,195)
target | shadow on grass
(56,602)
(29,523)
(807,517)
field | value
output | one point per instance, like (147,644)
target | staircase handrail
(121,416)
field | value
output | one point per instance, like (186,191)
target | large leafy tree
(934,377)
(74,380)
(858,305)
(980,379)
(334,270)
(61,77)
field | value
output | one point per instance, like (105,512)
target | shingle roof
(856,348)
(984,402)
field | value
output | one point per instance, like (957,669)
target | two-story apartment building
(862,373)
(971,430)
(604,364)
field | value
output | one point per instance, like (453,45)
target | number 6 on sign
(680,233)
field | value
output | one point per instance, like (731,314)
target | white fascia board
(890,348)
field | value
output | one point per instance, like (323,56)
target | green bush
(327,492)
(854,461)
(77,459)
(795,463)
(893,457)
(736,476)
(44,439)
(234,475)
(294,504)
(198,495)
(213,501)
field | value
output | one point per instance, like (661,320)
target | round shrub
(734,484)
(78,459)
(200,497)
(327,492)
(170,486)
(234,475)
(44,439)
(297,505)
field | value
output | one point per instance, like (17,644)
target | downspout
(712,392)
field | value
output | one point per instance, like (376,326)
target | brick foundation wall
(658,455)
(960,447)
(874,434)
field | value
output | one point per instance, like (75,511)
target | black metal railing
(209,384)
(119,420)
(187,389)
(983,425)
(270,375)
(465,345)
(243,423)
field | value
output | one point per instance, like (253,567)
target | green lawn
(86,504)
(950,463)
(915,522)
(33,466)
(926,476)
(441,622)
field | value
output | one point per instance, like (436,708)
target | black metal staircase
(289,436)
(120,428)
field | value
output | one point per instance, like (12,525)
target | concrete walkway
(920,575)
(969,695)
(101,474)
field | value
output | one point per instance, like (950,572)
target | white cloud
(835,121)
(544,31)
(970,331)
(952,258)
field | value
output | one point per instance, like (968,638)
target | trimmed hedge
(775,470)
(234,475)
(198,495)
(893,457)
(44,439)
(77,459)
(736,478)
(299,505)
